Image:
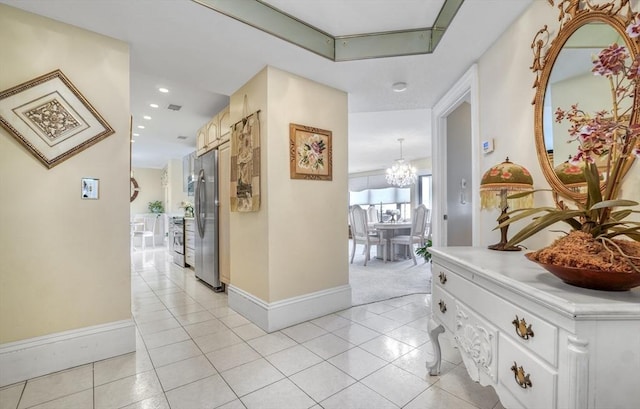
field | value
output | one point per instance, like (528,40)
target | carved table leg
(434,330)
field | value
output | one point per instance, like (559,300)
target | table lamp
(499,182)
(572,175)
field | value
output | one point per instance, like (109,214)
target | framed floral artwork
(51,118)
(310,153)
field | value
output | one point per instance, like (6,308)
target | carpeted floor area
(379,281)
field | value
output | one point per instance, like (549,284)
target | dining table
(389,230)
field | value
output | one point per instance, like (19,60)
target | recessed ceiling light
(153,105)
(136,134)
(140,126)
(163,90)
(147,117)
(133,140)
(399,86)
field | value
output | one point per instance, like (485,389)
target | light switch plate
(487,146)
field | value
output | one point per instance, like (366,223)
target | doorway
(459,218)
(455,129)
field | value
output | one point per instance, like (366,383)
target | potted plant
(594,254)
(423,251)
(156,207)
(188,208)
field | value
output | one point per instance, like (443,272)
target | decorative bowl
(592,279)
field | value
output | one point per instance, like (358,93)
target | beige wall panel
(249,244)
(506,114)
(307,218)
(150,189)
(64,261)
(224,212)
(175,188)
(297,243)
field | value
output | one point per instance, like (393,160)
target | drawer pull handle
(443,278)
(443,306)
(523,331)
(522,379)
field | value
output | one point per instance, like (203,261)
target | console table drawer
(443,307)
(527,378)
(534,333)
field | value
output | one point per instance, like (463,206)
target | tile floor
(193,352)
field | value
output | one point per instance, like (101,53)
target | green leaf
(593,185)
(527,193)
(613,203)
(520,214)
(633,233)
(612,225)
(621,215)
(543,222)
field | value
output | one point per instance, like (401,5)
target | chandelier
(401,173)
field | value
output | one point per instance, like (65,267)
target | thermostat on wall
(487,146)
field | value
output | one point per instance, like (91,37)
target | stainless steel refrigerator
(206,215)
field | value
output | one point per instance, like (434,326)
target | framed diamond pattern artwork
(51,118)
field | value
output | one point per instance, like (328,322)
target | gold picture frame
(51,118)
(310,153)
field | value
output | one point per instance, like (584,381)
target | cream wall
(64,262)
(307,219)
(175,192)
(296,243)
(151,189)
(506,113)
(249,231)
(592,93)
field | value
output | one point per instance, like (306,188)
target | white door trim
(465,89)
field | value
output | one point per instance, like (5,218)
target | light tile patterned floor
(193,352)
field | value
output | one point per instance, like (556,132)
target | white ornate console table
(538,342)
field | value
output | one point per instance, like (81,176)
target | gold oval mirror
(564,77)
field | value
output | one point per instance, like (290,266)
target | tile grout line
(164,393)
(244,341)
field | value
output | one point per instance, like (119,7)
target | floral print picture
(310,153)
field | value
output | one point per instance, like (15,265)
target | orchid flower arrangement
(608,138)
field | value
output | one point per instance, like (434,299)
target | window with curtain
(424,190)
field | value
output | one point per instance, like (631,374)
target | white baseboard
(26,359)
(284,313)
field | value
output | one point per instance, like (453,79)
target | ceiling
(203,56)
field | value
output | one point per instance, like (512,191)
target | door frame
(464,90)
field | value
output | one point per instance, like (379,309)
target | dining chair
(361,234)
(148,230)
(372,215)
(416,236)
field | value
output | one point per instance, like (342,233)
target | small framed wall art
(90,188)
(51,118)
(310,154)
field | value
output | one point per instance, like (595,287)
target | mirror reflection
(572,81)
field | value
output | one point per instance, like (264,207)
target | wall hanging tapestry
(310,153)
(245,164)
(51,118)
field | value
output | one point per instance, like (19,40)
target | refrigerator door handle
(201,210)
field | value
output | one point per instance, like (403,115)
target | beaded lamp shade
(572,176)
(496,184)
(505,176)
